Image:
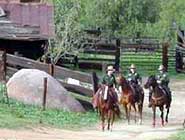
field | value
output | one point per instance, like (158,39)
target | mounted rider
(135,80)
(163,81)
(109,81)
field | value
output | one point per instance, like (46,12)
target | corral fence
(10,64)
(97,54)
(180,52)
(180,59)
(146,55)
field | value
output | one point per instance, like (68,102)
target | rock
(27,85)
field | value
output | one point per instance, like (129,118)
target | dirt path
(120,131)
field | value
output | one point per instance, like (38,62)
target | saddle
(164,91)
(137,91)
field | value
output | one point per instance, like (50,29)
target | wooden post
(44,94)
(3,66)
(51,69)
(104,67)
(117,57)
(165,47)
(178,60)
(94,82)
(76,61)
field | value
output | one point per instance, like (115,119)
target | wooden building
(26,26)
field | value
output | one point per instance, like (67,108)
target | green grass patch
(18,115)
(179,136)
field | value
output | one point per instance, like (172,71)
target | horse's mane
(124,82)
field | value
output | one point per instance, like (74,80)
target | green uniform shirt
(135,77)
(163,78)
(109,80)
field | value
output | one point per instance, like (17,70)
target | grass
(178,136)
(19,115)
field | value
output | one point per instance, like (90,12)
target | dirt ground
(121,129)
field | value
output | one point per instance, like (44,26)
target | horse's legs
(109,119)
(154,111)
(140,109)
(112,121)
(166,119)
(162,115)
(126,110)
(103,119)
(129,110)
(134,106)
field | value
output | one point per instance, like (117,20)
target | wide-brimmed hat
(110,68)
(161,67)
(132,66)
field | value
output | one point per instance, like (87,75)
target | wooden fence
(146,56)
(9,64)
(103,53)
(180,51)
(180,59)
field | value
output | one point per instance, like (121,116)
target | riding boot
(168,93)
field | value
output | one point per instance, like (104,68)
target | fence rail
(10,64)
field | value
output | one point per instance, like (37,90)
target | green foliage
(19,115)
(69,36)
(179,136)
(123,17)
(117,18)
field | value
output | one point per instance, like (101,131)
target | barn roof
(14,31)
(27,21)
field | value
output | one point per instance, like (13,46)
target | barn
(25,27)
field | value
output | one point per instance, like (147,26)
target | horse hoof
(153,125)
(140,122)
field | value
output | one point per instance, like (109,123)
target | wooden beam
(2,65)
(59,71)
(77,89)
(104,52)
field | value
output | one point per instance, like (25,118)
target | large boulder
(27,85)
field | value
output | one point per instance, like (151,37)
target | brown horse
(158,99)
(107,108)
(128,98)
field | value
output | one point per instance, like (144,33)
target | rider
(163,81)
(135,80)
(109,81)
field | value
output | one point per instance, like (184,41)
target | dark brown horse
(158,99)
(108,108)
(128,98)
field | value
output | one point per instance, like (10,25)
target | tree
(69,35)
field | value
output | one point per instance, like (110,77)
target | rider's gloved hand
(129,79)
(158,81)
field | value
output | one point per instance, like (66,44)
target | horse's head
(120,79)
(150,82)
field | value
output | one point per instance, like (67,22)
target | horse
(106,108)
(158,99)
(128,98)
